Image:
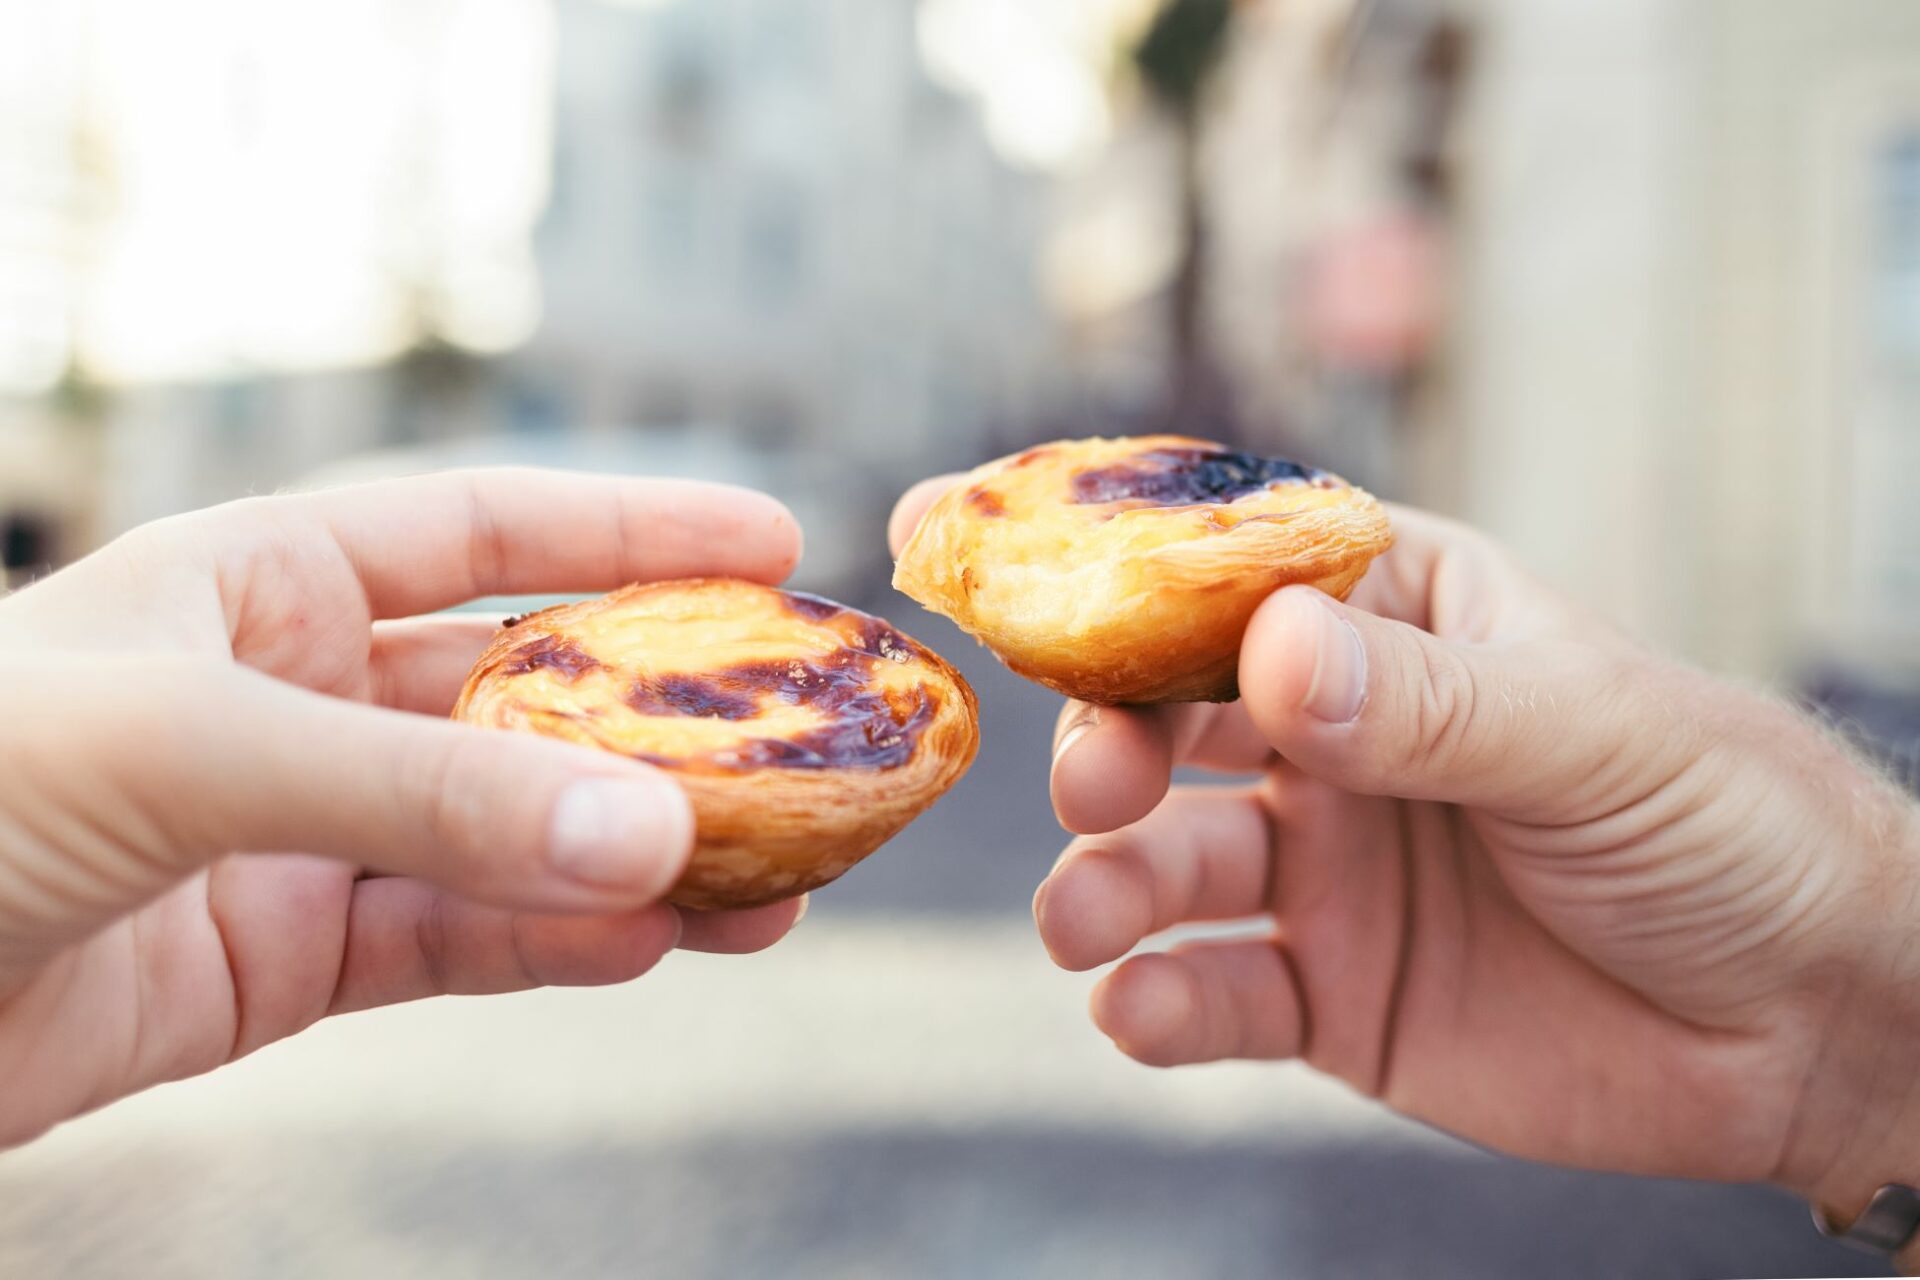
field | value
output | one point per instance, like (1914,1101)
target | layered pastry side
(1125,571)
(805,733)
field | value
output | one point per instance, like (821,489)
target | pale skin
(1526,881)
(216,688)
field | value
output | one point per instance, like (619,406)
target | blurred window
(684,77)
(238,409)
(1887,425)
(774,253)
(769,418)
(535,408)
(786,40)
(562,178)
(672,210)
(663,402)
(26,541)
(1898,234)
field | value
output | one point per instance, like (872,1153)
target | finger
(426,542)
(1217,736)
(1398,584)
(1112,765)
(407,940)
(281,921)
(1221,737)
(1456,582)
(1202,855)
(509,819)
(1201,1003)
(420,664)
(913,505)
(1547,727)
(739,932)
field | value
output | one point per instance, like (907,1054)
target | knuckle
(430,939)
(156,540)
(122,715)
(445,787)
(488,553)
(527,967)
(1447,707)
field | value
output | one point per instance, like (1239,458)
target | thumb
(1539,729)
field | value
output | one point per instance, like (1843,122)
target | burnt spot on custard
(986,502)
(872,636)
(812,608)
(552,653)
(1187,477)
(691,695)
(863,725)
(877,736)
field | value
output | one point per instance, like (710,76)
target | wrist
(1889,1226)
(1856,1127)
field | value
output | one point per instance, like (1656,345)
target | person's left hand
(232,680)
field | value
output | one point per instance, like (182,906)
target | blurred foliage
(1177,55)
(1180,49)
(79,399)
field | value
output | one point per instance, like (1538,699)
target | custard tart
(805,733)
(1126,570)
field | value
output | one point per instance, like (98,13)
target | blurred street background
(1634,285)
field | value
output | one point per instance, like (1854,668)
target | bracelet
(1888,1224)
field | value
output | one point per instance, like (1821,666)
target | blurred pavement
(817,1112)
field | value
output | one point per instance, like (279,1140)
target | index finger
(913,505)
(427,542)
(1112,765)
(1439,575)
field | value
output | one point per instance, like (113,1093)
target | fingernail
(1339,683)
(806,901)
(1084,719)
(628,833)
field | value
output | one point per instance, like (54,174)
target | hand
(230,680)
(1528,883)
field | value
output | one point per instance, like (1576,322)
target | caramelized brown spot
(685,694)
(986,502)
(812,608)
(556,653)
(876,741)
(877,638)
(864,727)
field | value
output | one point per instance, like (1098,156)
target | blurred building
(1323,203)
(225,221)
(766,216)
(1688,320)
(1631,285)
(755,222)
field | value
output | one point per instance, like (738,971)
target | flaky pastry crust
(806,734)
(1126,570)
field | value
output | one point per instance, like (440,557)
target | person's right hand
(1529,883)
